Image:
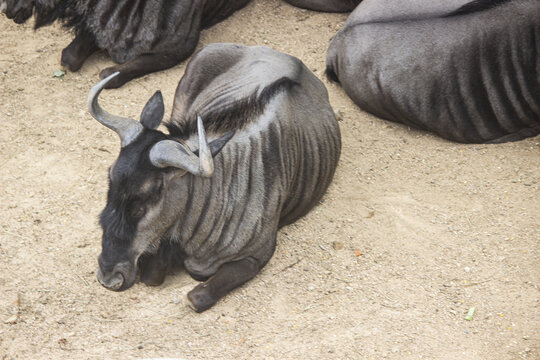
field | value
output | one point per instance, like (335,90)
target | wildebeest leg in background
(520,135)
(228,277)
(75,54)
(146,64)
(326,5)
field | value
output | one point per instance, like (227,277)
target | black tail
(330,74)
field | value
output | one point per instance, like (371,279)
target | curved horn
(171,153)
(128,129)
(205,156)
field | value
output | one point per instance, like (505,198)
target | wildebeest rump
(273,146)
(467,71)
(143,36)
(326,5)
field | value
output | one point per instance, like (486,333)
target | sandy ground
(413,232)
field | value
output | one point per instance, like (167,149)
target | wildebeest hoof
(69,61)
(200,299)
(114,83)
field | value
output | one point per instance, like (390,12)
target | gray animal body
(326,5)
(142,36)
(253,144)
(468,72)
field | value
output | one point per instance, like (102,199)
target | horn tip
(96,89)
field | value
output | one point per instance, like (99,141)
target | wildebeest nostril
(112,282)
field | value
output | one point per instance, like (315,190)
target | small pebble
(12,319)
(366,213)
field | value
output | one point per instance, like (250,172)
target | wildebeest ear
(153,111)
(218,144)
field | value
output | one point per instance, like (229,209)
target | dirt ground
(413,232)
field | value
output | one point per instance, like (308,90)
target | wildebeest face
(130,219)
(135,187)
(144,189)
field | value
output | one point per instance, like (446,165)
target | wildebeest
(467,71)
(214,202)
(142,36)
(326,5)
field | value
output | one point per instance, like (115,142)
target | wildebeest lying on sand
(467,71)
(273,146)
(326,5)
(142,36)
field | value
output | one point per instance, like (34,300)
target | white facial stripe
(149,231)
(153,225)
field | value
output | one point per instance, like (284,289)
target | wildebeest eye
(136,209)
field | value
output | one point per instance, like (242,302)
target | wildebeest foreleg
(228,277)
(142,65)
(154,269)
(74,55)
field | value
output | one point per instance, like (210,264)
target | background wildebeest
(142,36)
(216,210)
(326,5)
(468,71)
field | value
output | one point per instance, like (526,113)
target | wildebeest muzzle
(116,277)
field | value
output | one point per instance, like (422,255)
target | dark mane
(227,116)
(69,12)
(475,6)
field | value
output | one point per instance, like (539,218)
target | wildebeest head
(144,182)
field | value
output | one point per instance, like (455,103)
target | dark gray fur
(142,35)
(274,169)
(326,5)
(467,72)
